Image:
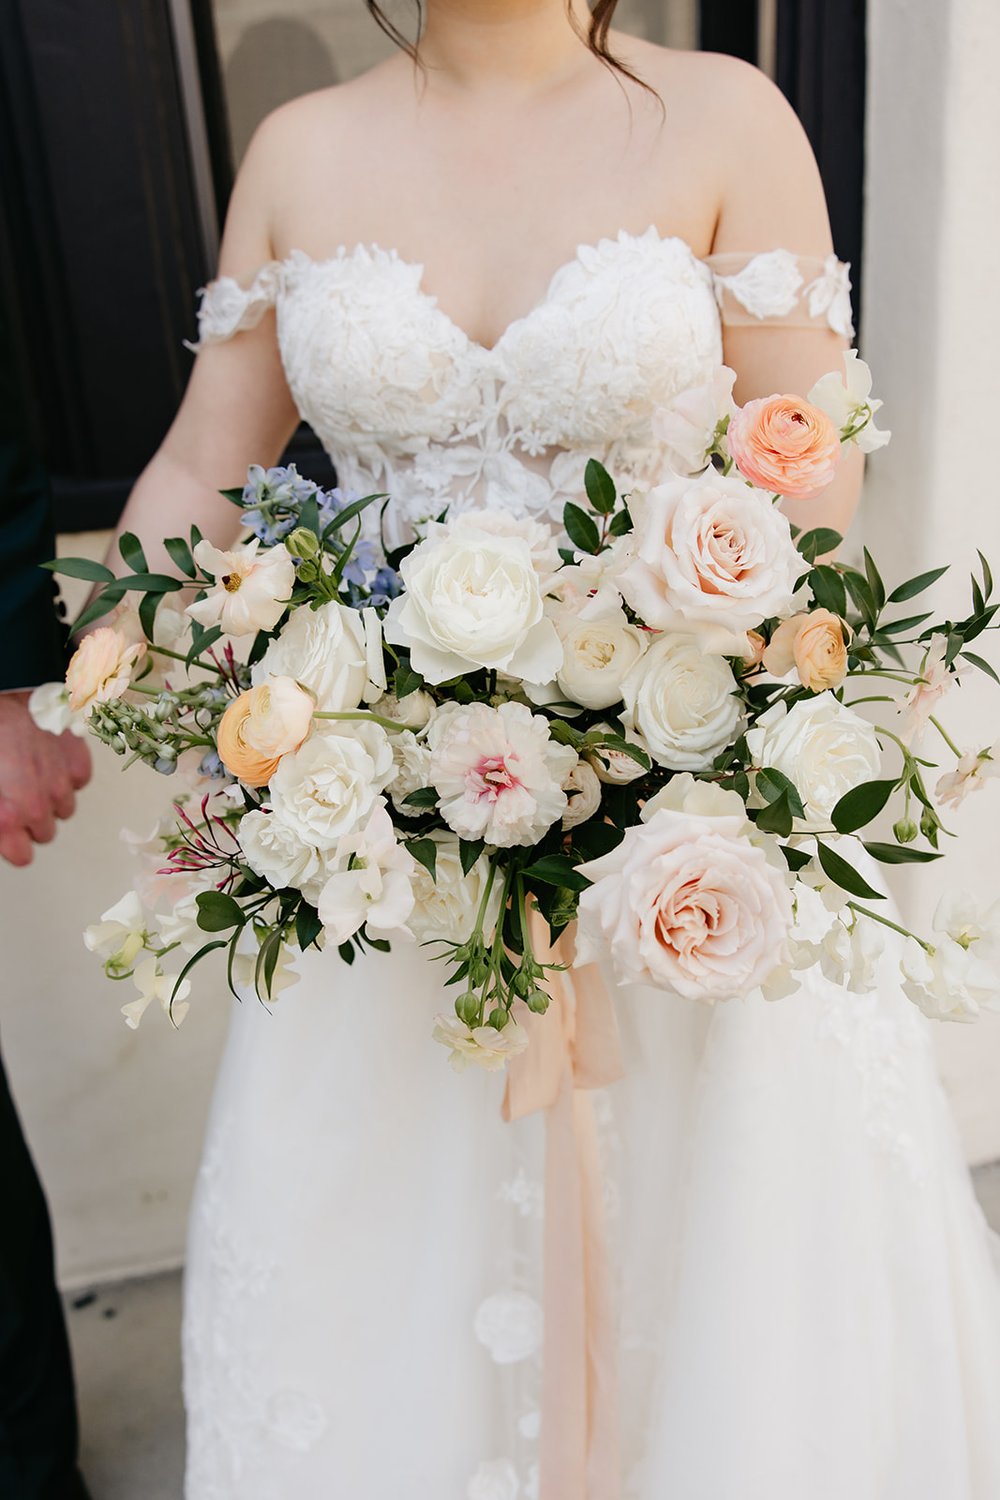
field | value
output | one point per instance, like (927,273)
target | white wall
(931,333)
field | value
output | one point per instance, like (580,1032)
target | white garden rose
(540,538)
(687,904)
(327,788)
(703,799)
(682,702)
(822,747)
(275,850)
(473,598)
(597,654)
(583,791)
(711,557)
(324,651)
(498,774)
(446,906)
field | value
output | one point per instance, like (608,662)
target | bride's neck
(507,42)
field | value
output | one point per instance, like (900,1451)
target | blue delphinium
(272,499)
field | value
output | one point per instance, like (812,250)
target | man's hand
(39,776)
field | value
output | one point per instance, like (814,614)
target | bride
(469,275)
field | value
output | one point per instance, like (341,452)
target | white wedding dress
(805,1300)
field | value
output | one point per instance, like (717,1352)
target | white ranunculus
(446,906)
(703,799)
(710,557)
(473,599)
(583,790)
(480,1046)
(327,788)
(498,774)
(251,587)
(822,747)
(324,650)
(951,983)
(687,904)
(120,936)
(688,425)
(275,850)
(372,884)
(415,711)
(413,769)
(847,399)
(597,654)
(682,702)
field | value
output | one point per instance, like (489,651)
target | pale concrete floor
(126,1347)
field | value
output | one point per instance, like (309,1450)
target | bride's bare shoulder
(311,121)
(708,86)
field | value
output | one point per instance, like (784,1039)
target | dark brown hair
(601,15)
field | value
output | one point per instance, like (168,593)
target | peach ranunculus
(815,644)
(688,904)
(262,725)
(101,668)
(785,445)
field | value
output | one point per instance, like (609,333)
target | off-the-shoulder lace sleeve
(227,307)
(777,287)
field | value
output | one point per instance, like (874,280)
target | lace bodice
(406,402)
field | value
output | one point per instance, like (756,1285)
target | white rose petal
(597,654)
(325,651)
(276,851)
(327,788)
(824,748)
(446,906)
(682,702)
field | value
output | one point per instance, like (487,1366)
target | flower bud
(905,831)
(302,543)
(467,1008)
(929,823)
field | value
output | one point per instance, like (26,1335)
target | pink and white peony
(682,702)
(824,748)
(687,904)
(498,774)
(710,557)
(251,587)
(326,789)
(373,886)
(473,598)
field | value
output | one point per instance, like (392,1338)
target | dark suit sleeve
(33,637)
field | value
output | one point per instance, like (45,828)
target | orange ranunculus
(785,445)
(262,725)
(815,643)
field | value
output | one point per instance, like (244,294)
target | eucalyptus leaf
(80,567)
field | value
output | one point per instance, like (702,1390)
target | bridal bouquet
(648,728)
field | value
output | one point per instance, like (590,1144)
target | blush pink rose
(785,445)
(687,904)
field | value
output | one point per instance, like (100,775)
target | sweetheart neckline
(373,249)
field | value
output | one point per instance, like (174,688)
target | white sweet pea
(251,587)
(709,557)
(326,789)
(326,651)
(822,747)
(598,652)
(153,984)
(480,1046)
(949,983)
(120,936)
(971,922)
(372,888)
(682,702)
(50,709)
(689,424)
(284,977)
(473,598)
(847,400)
(445,906)
(973,769)
(850,955)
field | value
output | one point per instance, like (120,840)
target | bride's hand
(40,774)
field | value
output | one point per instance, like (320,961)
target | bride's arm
(237,409)
(771,198)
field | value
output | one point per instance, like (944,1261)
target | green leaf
(196,537)
(406,680)
(987,575)
(180,555)
(346,951)
(860,805)
(818,542)
(600,487)
(80,567)
(914,586)
(201,640)
(424,796)
(581,529)
(556,869)
(102,605)
(133,556)
(796,859)
(235,495)
(828,589)
(776,817)
(195,959)
(309,516)
(217,912)
(901,854)
(874,581)
(981,663)
(469,851)
(307,925)
(857,587)
(845,875)
(148,605)
(595,837)
(152,583)
(267,961)
(894,627)
(621,524)
(425,852)
(349,512)
(773,784)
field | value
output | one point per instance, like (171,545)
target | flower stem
(863,911)
(364,718)
(946,737)
(195,661)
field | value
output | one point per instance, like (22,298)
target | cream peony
(687,904)
(473,598)
(327,788)
(682,702)
(499,775)
(481,1046)
(251,587)
(597,654)
(101,668)
(372,888)
(822,747)
(445,907)
(324,650)
(710,557)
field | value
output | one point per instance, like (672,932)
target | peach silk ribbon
(573,1048)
